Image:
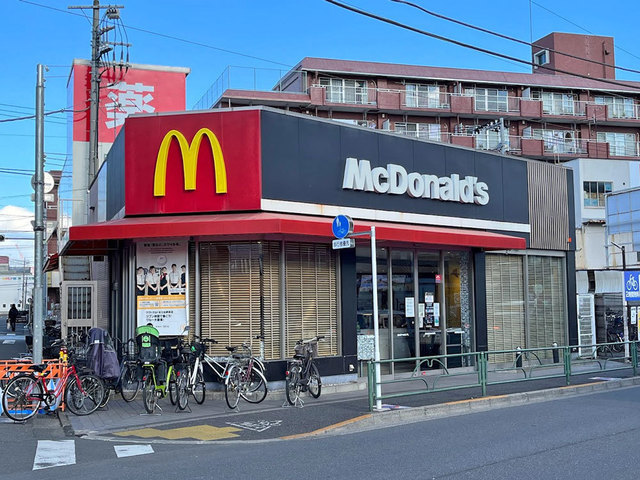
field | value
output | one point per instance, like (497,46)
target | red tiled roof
(443,73)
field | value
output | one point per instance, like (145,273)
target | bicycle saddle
(230,349)
(39,368)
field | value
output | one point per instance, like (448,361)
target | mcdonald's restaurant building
(222,220)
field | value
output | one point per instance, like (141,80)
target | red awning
(93,239)
(51,264)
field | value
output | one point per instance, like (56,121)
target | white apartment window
(360,123)
(541,57)
(345,91)
(490,99)
(618,107)
(427,131)
(557,141)
(594,193)
(620,144)
(488,140)
(556,103)
(423,96)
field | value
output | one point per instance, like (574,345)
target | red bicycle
(26,394)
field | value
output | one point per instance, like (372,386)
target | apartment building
(571,108)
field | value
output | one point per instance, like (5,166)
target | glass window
(505,305)
(618,107)
(594,193)
(457,282)
(541,58)
(620,144)
(491,100)
(546,303)
(556,103)
(427,131)
(403,301)
(426,96)
(558,141)
(339,90)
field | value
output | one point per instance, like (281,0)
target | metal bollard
(518,357)
(556,352)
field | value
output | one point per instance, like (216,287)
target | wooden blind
(311,296)
(230,294)
(505,305)
(547,309)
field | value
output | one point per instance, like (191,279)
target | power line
(472,47)
(171,37)
(513,39)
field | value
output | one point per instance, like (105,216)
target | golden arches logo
(189,154)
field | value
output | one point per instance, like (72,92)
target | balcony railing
(253,79)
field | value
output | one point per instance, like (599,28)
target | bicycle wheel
(173,389)
(292,385)
(129,383)
(315,382)
(199,388)
(182,381)
(232,387)
(256,390)
(86,397)
(106,397)
(149,397)
(21,398)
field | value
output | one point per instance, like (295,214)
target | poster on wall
(161,285)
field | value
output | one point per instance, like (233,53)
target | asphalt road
(589,437)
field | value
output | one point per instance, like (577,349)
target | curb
(67,428)
(463,407)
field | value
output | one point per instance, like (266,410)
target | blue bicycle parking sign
(632,285)
(342,226)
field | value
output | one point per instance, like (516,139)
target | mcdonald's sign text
(205,162)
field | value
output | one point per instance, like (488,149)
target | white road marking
(8,342)
(259,426)
(52,453)
(132,450)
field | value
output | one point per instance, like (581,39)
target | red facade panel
(206,162)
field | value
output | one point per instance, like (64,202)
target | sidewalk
(340,407)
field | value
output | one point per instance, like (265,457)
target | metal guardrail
(432,373)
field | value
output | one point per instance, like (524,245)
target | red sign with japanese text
(124,93)
(201,162)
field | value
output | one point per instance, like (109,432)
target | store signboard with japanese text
(161,285)
(123,93)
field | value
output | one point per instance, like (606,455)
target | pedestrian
(13,315)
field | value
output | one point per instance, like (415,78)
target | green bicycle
(157,384)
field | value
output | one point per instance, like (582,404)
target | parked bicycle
(26,394)
(160,376)
(241,373)
(245,377)
(302,373)
(127,384)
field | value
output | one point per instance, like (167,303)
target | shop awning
(51,264)
(94,239)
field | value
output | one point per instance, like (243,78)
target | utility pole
(98,49)
(38,227)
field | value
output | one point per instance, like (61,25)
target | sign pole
(376,333)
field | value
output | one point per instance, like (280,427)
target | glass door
(430,325)
(364,291)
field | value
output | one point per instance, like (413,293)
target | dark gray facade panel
(572,307)
(303,161)
(480,297)
(115,176)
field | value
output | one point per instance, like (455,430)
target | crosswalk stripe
(132,450)
(52,453)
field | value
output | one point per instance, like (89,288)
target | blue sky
(262,35)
